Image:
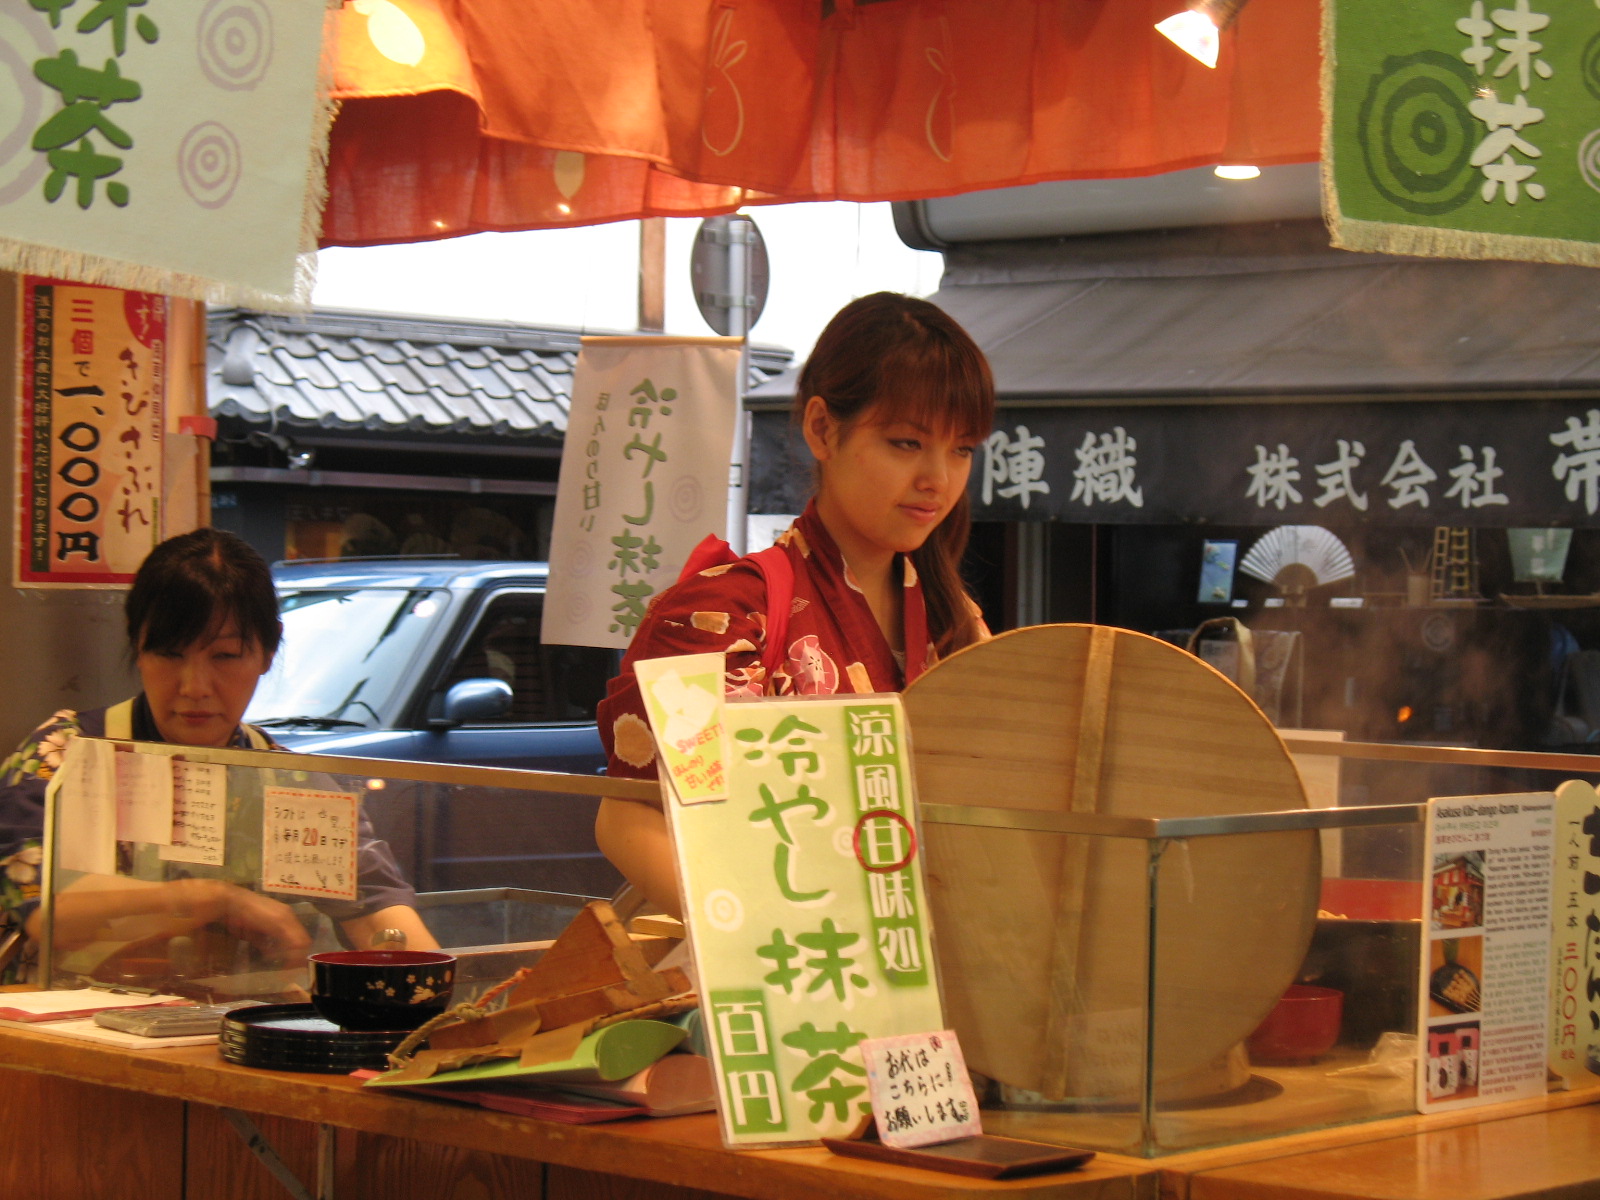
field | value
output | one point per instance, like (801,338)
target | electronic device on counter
(178,1021)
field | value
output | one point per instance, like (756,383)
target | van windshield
(344,653)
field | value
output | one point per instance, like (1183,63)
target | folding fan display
(1298,557)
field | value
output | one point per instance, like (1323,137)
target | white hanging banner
(173,148)
(644,477)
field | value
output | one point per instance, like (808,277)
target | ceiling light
(1197,30)
(1226,172)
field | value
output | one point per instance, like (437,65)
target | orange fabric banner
(499,114)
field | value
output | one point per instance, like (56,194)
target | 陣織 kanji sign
(1422,463)
(644,477)
(93,403)
(168,145)
(1464,128)
(805,904)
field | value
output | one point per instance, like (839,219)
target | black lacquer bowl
(381,989)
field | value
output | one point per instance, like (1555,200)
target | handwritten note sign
(683,697)
(144,797)
(921,1093)
(199,813)
(308,842)
(86,828)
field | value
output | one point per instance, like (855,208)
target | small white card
(683,697)
(86,824)
(144,797)
(199,813)
(921,1093)
(308,842)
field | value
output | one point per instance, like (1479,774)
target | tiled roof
(332,370)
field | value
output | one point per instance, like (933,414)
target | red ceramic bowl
(1302,1027)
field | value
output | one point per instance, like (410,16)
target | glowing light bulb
(1194,33)
(1237,172)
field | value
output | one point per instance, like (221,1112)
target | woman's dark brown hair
(190,585)
(908,360)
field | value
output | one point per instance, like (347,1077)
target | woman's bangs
(175,627)
(941,391)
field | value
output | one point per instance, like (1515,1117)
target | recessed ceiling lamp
(1197,30)
(1227,172)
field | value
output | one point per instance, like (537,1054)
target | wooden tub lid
(1041,938)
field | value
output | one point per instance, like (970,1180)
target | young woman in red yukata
(894,402)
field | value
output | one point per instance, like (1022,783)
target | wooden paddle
(1042,938)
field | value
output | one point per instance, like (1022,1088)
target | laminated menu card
(1484,1001)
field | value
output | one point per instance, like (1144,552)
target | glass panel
(1055,985)
(498,867)
(1162,1052)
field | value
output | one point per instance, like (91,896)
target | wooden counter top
(1544,1156)
(1543,1148)
(682,1151)
(1547,1148)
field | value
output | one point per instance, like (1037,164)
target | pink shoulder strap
(773,563)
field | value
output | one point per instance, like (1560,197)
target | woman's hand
(267,924)
(92,907)
(361,930)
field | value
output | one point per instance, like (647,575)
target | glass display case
(1172,1002)
(175,868)
(1128,1018)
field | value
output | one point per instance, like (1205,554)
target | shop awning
(1171,376)
(1267,311)
(468,115)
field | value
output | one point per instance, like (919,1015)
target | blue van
(440,660)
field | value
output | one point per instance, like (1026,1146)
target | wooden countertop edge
(1178,1169)
(685,1151)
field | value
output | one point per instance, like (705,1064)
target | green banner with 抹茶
(1463,128)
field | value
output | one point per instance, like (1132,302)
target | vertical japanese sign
(644,477)
(93,392)
(1575,946)
(807,912)
(161,144)
(1464,128)
(1483,1013)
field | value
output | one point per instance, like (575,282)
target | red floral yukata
(835,644)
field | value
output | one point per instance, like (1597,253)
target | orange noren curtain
(461,116)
